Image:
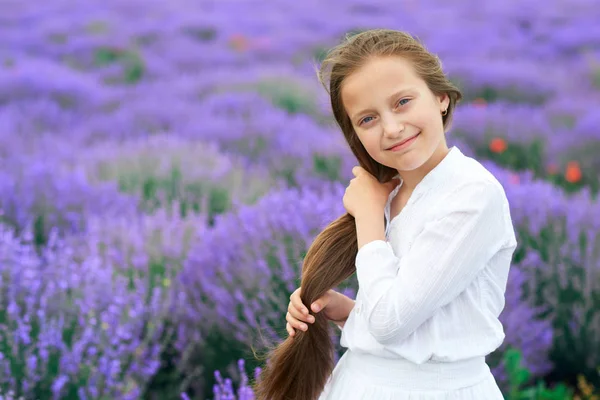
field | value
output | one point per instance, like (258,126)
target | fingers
(317,306)
(357,170)
(296,301)
(296,313)
(298,316)
(321,303)
(293,324)
(290,330)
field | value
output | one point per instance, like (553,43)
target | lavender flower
(72,323)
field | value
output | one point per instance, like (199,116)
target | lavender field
(164,167)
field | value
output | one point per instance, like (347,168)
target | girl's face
(388,104)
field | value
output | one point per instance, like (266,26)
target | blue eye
(364,120)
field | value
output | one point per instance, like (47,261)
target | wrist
(369,228)
(348,306)
(370,214)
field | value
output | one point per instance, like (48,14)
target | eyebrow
(395,94)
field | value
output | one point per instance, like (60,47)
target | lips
(402,142)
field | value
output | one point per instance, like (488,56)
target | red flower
(498,145)
(239,42)
(480,102)
(573,173)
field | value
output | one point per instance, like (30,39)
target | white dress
(429,297)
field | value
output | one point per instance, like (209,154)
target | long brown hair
(298,368)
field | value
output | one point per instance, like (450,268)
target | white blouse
(435,288)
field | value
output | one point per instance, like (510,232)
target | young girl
(434,242)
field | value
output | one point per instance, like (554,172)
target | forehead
(379,77)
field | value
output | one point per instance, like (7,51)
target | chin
(411,165)
(411,158)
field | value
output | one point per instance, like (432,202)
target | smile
(405,144)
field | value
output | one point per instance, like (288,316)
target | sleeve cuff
(371,250)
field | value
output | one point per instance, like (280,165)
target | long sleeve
(400,294)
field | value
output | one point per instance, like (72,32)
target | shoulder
(474,186)
(472,174)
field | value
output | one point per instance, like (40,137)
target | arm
(401,294)
(369,227)
(347,305)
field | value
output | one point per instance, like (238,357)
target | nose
(392,126)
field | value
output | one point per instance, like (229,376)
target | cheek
(372,144)
(427,119)
(422,116)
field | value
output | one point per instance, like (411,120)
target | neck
(412,178)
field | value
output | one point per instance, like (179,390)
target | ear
(444,101)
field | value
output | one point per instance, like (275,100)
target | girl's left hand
(365,195)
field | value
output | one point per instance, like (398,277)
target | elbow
(386,330)
(384,338)
(387,324)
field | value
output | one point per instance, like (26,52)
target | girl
(428,233)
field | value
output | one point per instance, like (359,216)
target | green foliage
(97,27)
(491,94)
(131,61)
(572,310)
(319,53)
(595,76)
(289,95)
(201,33)
(327,167)
(518,377)
(518,157)
(164,191)
(532,157)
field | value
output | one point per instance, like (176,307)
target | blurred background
(164,166)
